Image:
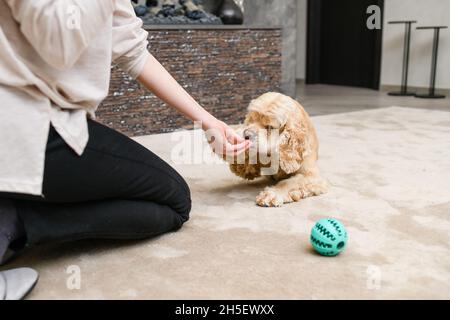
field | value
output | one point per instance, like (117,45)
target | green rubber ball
(329,237)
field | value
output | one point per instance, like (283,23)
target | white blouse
(55,65)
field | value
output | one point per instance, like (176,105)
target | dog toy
(329,237)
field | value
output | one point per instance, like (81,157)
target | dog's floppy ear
(294,144)
(290,158)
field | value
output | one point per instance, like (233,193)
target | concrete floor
(327,99)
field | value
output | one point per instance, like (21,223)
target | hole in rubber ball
(340,245)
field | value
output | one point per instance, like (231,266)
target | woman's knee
(182,214)
(184,202)
(178,197)
(185,208)
(186,214)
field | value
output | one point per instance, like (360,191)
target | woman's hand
(222,139)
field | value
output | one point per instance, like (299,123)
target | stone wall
(222,68)
(278,13)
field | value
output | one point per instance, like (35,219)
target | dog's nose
(249,134)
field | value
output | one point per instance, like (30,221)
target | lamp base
(430,96)
(402,94)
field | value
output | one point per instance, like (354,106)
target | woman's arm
(158,80)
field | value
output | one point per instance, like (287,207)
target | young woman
(63,176)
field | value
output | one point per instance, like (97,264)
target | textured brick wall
(222,68)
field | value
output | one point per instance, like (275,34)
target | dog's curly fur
(297,147)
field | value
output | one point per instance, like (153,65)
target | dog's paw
(269,198)
(319,187)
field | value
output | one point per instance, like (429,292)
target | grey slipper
(17,283)
(2,287)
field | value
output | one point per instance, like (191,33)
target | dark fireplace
(186,12)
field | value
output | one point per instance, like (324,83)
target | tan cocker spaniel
(284,148)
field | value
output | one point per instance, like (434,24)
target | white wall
(301,38)
(426,12)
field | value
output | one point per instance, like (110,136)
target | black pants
(116,190)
